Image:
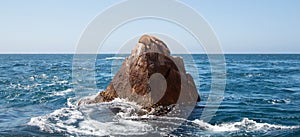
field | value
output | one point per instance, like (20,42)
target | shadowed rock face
(151,77)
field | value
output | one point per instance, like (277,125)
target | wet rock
(151,77)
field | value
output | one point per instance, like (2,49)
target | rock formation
(151,77)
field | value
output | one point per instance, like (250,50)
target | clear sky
(242,26)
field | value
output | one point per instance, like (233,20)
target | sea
(39,98)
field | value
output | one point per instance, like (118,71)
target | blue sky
(242,26)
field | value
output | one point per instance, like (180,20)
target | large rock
(151,77)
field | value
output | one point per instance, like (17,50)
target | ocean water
(38,98)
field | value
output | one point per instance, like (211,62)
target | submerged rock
(151,77)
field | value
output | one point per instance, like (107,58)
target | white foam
(44,76)
(100,120)
(245,124)
(63,82)
(62,93)
(279,101)
(31,78)
(114,58)
(86,120)
(106,74)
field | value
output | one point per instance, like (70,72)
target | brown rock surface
(151,77)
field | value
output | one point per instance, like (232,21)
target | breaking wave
(245,125)
(121,117)
(98,119)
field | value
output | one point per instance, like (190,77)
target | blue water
(262,98)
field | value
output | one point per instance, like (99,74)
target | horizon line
(130,53)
